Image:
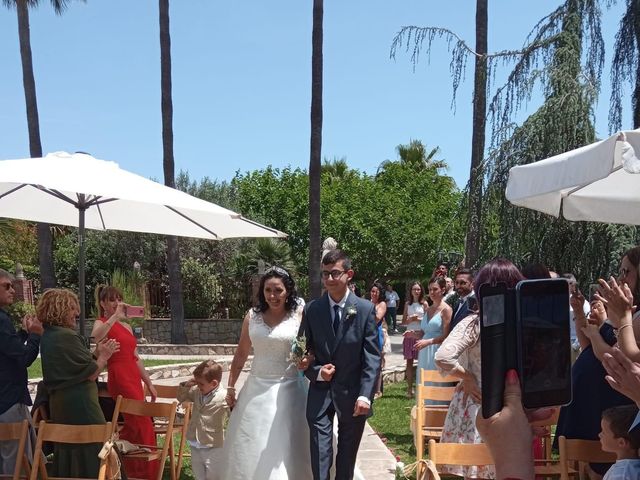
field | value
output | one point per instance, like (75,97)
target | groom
(341,332)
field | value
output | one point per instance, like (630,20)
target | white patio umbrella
(598,182)
(81,191)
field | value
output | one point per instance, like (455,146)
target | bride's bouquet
(298,349)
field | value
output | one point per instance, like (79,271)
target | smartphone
(134,312)
(544,342)
(493,353)
(593,289)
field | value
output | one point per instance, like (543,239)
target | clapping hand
(590,330)
(31,324)
(617,298)
(623,374)
(576,300)
(107,347)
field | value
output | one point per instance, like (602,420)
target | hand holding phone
(134,311)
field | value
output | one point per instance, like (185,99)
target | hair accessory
(278,270)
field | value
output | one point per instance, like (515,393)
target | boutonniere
(350,312)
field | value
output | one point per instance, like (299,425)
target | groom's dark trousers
(353,350)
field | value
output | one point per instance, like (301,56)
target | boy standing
(615,437)
(205,432)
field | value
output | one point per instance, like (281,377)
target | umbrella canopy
(49,189)
(598,182)
(81,191)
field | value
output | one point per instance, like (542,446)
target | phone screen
(543,308)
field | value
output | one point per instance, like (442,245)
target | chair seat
(547,468)
(156,455)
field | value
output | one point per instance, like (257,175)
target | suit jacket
(207,419)
(353,350)
(462,312)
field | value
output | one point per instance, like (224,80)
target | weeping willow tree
(625,67)
(563,122)
(414,39)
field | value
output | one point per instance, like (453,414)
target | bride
(268,437)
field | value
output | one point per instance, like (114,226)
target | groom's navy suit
(353,350)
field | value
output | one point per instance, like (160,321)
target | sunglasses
(7,286)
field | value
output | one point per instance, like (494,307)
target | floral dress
(462,347)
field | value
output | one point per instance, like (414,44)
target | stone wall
(203,331)
(226,331)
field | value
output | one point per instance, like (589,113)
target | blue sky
(241,81)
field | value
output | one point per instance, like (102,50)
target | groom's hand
(361,408)
(327,371)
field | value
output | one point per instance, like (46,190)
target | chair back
(436,377)
(464,454)
(440,394)
(61,433)
(19,432)
(171,392)
(163,391)
(151,409)
(572,450)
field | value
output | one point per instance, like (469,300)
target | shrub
(201,288)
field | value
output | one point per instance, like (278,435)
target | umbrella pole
(81,260)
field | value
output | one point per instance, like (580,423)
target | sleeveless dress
(124,379)
(268,437)
(432,328)
(462,346)
(408,342)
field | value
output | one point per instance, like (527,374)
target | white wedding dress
(268,436)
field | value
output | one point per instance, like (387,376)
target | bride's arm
(239,359)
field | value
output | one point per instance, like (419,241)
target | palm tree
(335,169)
(173,253)
(315,156)
(416,156)
(45,238)
(476,175)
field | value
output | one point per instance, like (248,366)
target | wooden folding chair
(78,434)
(463,454)
(19,432)
(581,451)
(429,419)
(150,409)
(170,392)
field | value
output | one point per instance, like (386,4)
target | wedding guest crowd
(282,422)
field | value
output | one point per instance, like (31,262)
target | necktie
(336,318)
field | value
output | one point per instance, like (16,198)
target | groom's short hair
(334,256)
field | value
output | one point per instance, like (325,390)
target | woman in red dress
(126,374)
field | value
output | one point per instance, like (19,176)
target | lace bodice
(272,346)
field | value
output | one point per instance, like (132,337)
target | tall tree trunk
(45,239)
(477,142)
(315,243)
(636,90)
(173,251)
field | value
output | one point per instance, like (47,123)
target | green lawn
(390,420)
(35,370)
